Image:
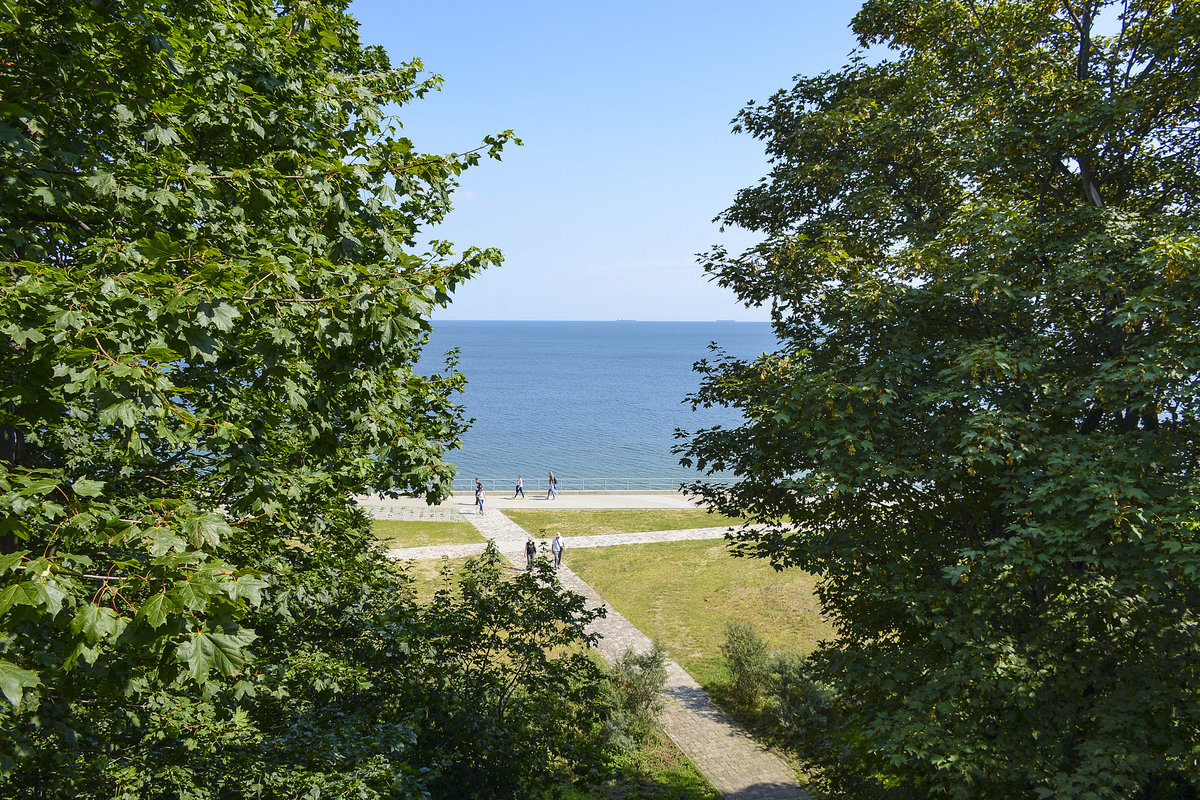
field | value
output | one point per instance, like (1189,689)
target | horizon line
(608,319)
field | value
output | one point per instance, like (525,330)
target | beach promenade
(736,766)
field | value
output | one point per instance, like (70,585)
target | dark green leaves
(208,330)
(19,593)
(981,428)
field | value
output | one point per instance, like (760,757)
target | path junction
(737,767)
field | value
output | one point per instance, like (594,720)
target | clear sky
(625,111)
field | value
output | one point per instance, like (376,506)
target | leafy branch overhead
(211,310)
(979,244)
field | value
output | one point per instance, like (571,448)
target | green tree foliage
(513,699)
(749,661)
(210,311)
(981,254)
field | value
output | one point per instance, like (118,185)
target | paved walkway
(736,766)
(605,540)
(465,501)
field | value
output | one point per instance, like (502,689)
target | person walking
(557,546)
(530,553)
(520,488)
(479,495)
(552,492)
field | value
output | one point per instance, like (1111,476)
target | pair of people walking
(557,545)
(519,491)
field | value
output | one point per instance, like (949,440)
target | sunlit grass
(427,575)
(422,533)
(682,593)
(657,771)
(594,522)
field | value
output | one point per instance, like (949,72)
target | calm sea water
(597,402)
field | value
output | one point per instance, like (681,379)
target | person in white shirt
(557,546)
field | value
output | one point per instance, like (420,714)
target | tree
(514,700)
(210,313)
(980,251)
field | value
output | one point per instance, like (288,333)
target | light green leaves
(161,135)
(95,622)
(205,530)
(10,560)
(220,315)
(205,652)
(124,412)
(21,336)
(103,182)
(155,610)
(14,680)
(47,195)
(158,249)
(246,586)
(20,593)
(85,487)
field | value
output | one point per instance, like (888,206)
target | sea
(596,402)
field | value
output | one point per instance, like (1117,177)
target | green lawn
(592,522)
(682,593)
(405,533)
(427,575)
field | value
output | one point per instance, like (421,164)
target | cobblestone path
(379,510)
(735,765)
(606,540)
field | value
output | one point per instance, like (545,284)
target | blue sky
(625,110)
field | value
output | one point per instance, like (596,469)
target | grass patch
(682,593)
(658,771)
(594,522)
(427,575)
(422,533)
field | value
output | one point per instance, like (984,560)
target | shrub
(636,683)
(749,663)
(798,705)
(803,714)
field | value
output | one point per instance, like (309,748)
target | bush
(749,663)
(798,705)
(803,715)
(636,683)
(509,697)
